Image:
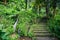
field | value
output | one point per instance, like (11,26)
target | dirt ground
(25,38)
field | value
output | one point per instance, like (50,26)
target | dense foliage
(9,13)
(54,26)
(27,13)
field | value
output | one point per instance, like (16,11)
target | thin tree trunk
(54,12)
(54,8)
(28,4)
(28,30)
(38,10)
(5,1)
(47,7)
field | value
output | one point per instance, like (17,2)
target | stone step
(45,38)
(40,28)
(42,34)
(38,25)
(41,31)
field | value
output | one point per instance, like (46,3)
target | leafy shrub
(24,22)
(6,28)
(6,24)
(3,35)
(54,26)
(12,8)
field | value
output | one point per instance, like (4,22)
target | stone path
(41,32)
(45,38)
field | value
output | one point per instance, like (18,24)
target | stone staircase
(41,30)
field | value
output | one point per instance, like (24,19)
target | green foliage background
(26,17)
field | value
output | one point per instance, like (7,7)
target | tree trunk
(5,1)
(26,3)
(54,8)
(54,12)
(38,10)
(47,7)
